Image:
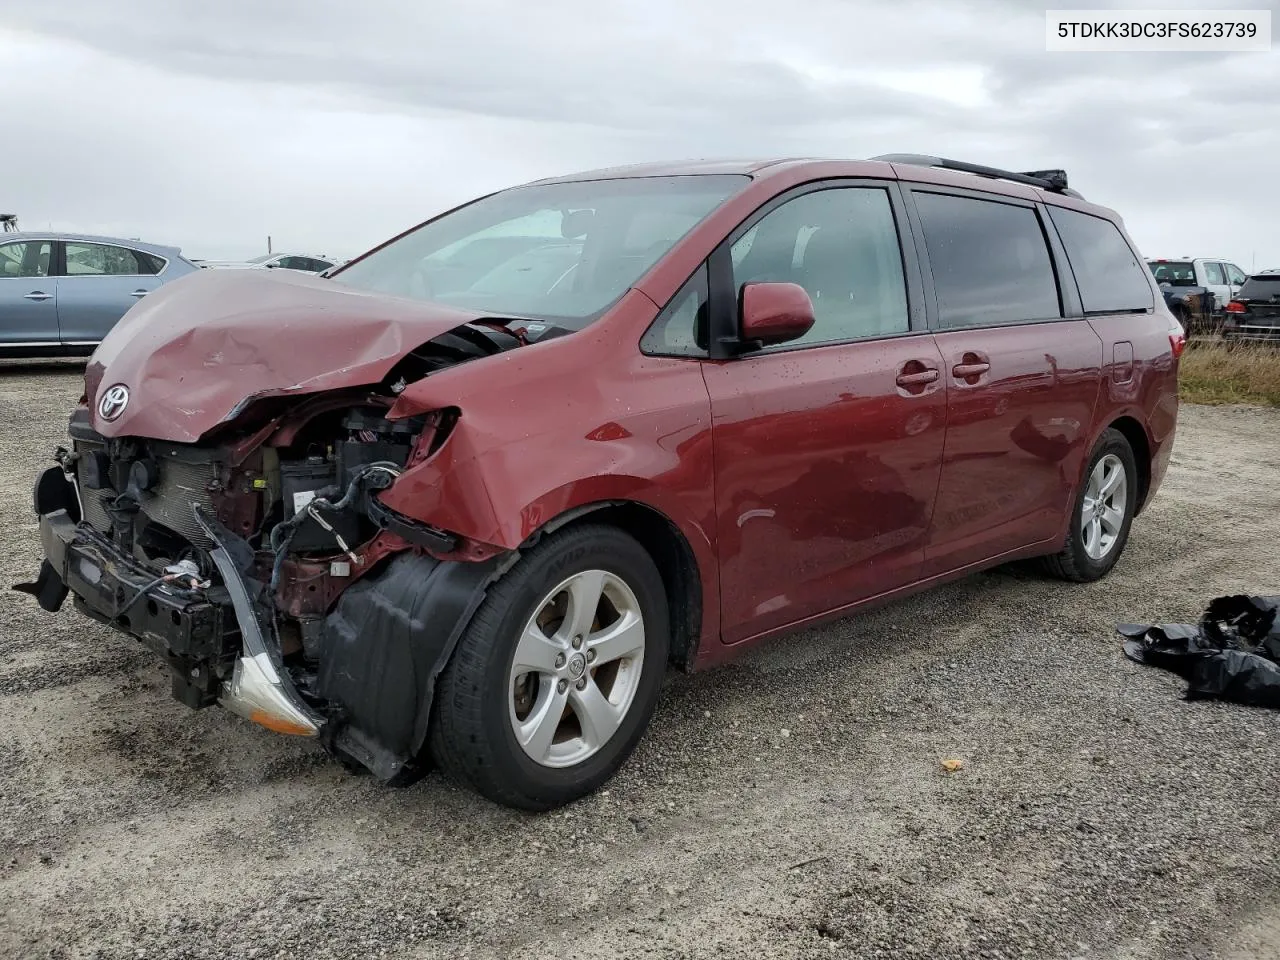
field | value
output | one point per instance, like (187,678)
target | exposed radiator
(170,503)
(91,501)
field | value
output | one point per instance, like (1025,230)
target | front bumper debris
(259,689)
(211,639)
(257,693)
(364,684)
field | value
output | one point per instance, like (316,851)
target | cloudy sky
(331,125)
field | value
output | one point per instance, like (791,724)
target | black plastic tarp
(1232,654)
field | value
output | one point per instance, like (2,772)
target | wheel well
(673,557)
(1137,437)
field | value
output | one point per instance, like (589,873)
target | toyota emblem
(114,400)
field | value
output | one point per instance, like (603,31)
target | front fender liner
(383,648)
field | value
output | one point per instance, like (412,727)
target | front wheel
(1102,515)
(558,674)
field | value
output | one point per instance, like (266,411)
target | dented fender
(638,430)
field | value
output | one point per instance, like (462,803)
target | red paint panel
(566,423)
(826,471)
(1017,434)
(1150,394)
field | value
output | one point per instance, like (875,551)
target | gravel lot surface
(790,805)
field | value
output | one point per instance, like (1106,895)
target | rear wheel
(1102,515)
(558,675)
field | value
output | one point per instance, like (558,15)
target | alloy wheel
(1103,510)
(576,668)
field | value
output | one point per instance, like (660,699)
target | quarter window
(1111,277)
(25,259)
(148,263)
(841,245)
(681,329)
(103,260)
(990,261)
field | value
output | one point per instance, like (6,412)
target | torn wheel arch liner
(385,644)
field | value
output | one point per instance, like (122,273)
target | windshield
(561,251)
(1179,272)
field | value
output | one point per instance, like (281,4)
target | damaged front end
(259,563)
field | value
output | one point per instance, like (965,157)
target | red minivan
(467,499)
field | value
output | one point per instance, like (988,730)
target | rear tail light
(1235,306)
(1177,338)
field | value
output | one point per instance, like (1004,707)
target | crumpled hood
(195,350)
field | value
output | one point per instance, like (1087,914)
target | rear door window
(990,261)
(1213,272)
(101,260)
(1109,274)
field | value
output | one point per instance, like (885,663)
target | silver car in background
(301,262)
(60,293)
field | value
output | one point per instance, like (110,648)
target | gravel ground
(790,805)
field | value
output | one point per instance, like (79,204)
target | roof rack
(1052,180)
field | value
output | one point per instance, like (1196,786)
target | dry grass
(1216,372)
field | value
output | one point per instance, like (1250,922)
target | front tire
(557,676)
(1102,515)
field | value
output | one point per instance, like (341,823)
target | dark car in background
(468,500)
(1254,314)
(61,293)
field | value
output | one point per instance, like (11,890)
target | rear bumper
(1263,330)
(210,638)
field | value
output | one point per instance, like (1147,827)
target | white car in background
(305,263)
(1221,278)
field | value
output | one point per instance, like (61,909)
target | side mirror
(771,313)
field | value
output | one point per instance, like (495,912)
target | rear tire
(1098,534)
(584,612)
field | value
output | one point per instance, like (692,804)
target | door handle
(918,378)
(37,295)
(962,370)
(139,293)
